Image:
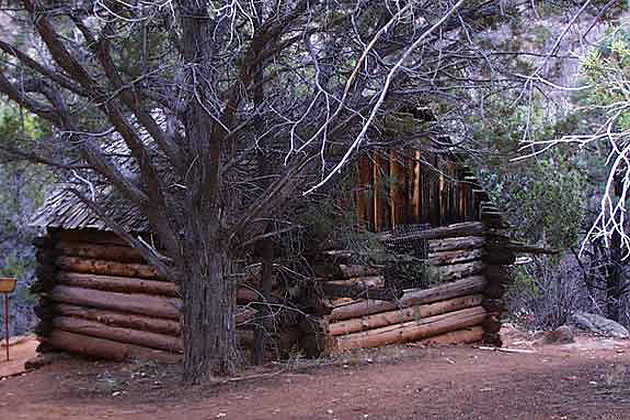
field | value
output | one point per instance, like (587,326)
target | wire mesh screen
(406,266)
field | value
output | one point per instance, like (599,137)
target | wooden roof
(64,210)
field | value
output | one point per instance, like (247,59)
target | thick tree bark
(208,314)
(203,264)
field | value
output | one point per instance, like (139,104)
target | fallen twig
(506,350)
(248,377)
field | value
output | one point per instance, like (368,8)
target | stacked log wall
(45,274)
(497,259)
(97,296)
(465,307)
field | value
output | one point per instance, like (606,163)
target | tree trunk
(208,314)
(614,278)
(265,289)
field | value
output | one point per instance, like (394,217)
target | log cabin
(97,296)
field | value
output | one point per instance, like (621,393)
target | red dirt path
(21,349)
(587,380)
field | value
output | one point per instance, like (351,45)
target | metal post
(6,322)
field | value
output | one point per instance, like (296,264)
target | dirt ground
(21,349)
(589,379)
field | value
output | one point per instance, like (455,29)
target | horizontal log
(460,271)
(120,319)
(495,305)
(371,281)
(343,271)
(361,308)
(111,268)
(93,236)
(119,334)
(158,306)
(396,326)
(107,349)
(404,315)
(411,331)
(451,231)
(100,252)
(118,284)
(342,301)
(468,286)
(454,257)
(463,336)
(136,285)
(456,243)
(355,291)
